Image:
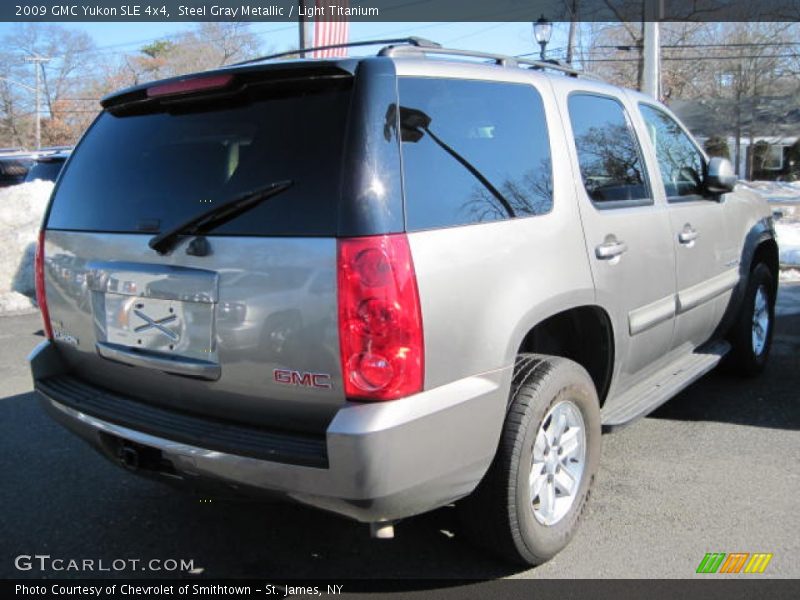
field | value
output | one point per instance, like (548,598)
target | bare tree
(63,77)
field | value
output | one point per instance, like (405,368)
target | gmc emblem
(290,377)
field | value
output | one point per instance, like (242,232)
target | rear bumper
(385,461)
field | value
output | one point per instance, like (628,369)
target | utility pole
(651,79)
(572,7)
(37,62)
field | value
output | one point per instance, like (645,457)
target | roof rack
(412,41)
(417,46)
(498,59)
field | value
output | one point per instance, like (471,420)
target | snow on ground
(784,196)
(774,191)
(21,210)
(789,242)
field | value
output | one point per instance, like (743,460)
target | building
(773,120)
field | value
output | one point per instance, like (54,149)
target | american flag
(330,29)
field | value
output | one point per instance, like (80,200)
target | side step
(654,391)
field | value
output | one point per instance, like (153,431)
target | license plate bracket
(165,326)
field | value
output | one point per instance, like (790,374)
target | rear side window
(608,153)
(473,152)
(679,160)
(150,172)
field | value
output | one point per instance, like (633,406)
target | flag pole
(303,28)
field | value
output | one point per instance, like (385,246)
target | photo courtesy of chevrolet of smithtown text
(400,299)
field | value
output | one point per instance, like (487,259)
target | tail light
(191,85)
(380,321)
(41,297)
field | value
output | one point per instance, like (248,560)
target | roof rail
(412,41)
(498,59)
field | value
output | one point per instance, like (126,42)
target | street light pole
(37,61)
(542,30)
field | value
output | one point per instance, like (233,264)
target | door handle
(688,235)
(611,248)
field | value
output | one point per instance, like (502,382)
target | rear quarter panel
(484,286)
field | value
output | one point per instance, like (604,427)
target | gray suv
(380,285)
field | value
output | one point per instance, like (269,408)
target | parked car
(47,166)
(455,274)
(14,168)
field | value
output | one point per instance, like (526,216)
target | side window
(679,160)
(473,152)
(608,152)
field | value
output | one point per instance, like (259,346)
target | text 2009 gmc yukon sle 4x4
(380,285)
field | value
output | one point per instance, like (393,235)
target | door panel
(627,234)
(701,242)
(701,271)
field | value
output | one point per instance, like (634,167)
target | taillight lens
(380,321)
(41,297)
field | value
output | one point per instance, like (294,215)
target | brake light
(41,297)
(188,86)
(380,321)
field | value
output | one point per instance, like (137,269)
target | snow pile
(785,198)
(21,210)
(774,191)
(788,242)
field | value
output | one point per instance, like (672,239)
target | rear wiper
(217,215)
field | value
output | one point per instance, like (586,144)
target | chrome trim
(167,364)
(609,250)
(152,280)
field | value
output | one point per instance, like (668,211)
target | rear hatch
(244,326)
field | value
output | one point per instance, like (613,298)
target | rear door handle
(688,235)
(609,249)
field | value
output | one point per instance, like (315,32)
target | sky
(502,38)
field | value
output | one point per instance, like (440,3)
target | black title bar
(400,10)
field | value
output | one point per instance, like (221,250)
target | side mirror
(720,177)
(413,123)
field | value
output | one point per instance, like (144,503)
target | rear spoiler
(224,82)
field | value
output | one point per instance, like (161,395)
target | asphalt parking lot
(714,470)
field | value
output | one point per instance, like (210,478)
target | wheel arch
(760,245)
(583,334)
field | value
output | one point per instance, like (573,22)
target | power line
(698,57)
(629,47)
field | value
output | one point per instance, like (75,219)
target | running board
(654,391)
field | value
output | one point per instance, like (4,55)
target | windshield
(150,172)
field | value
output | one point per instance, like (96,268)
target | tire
(500,514)
(747,357)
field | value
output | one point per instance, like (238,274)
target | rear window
(150,172)
(473,152)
